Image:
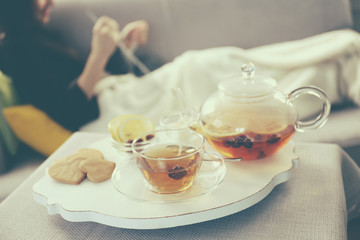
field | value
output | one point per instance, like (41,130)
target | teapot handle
(319,120)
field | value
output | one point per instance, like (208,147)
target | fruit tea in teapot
(254,140)
(249,118)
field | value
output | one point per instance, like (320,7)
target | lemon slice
(113,126)
(226,125)
(235,125)
(132,127)
(270,128)
(269,125)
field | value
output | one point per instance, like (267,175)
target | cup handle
(211,156)
(319,120)
(215,169)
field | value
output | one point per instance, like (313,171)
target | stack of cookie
(86,162)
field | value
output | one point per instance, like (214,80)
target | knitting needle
(129,54)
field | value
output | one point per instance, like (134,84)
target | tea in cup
(172,159)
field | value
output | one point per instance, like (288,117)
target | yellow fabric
(36,128)
(8,97)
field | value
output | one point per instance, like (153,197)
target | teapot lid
(249,85)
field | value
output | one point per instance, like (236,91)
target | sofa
(180,25)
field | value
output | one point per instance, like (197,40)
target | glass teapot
(249,118)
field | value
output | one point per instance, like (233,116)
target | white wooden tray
(245,184)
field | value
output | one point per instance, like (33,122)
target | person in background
(48,74)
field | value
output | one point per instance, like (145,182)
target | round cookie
(66,170)
(97,170)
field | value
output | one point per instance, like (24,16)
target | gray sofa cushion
(343,128)
(180,25)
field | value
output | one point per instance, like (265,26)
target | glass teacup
(171,160)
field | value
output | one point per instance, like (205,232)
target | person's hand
(105,37)
(135,34)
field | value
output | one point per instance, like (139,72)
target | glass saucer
(128,180)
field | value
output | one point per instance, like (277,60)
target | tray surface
(245,184)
